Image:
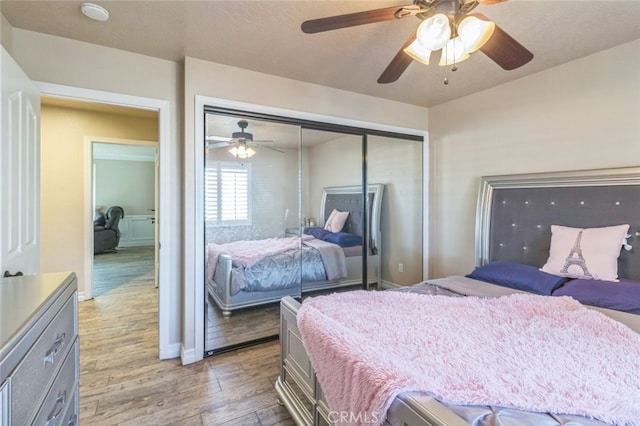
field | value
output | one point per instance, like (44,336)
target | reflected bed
(252,273)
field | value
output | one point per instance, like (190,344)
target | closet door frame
(194,288)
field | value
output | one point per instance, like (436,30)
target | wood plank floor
(122,381)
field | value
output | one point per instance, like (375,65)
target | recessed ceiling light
(95,12)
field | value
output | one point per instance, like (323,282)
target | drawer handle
(55,348)
(57,409)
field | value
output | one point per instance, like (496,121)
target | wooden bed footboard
(300,392)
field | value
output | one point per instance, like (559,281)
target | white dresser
(39,350)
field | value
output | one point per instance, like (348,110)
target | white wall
(581,115)
(124,183)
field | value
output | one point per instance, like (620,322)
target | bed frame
(343,198)
(513,217)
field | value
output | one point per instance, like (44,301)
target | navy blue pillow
(622,296)
(317,231)
(516,275)
(343,239)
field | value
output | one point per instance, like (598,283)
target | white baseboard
(388,284)
(188,357)
(81,296)
(170,351)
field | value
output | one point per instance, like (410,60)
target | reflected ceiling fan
(241,143)
(447,26)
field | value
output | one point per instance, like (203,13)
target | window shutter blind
(226,193)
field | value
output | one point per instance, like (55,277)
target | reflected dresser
(39,350)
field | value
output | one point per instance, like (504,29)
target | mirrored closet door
(298,208)
(251,211)
(332,184)
(398,164)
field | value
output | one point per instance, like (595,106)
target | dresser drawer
(32,376)
(71,417)
(62,393)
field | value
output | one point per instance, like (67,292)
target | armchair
(107,237)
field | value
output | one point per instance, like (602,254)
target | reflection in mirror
(398,164)
(251,199)
(286,215)
(334,206)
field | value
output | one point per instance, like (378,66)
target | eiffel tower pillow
(587,253)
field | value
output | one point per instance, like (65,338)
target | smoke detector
(95,12)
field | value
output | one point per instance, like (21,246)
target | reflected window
(227,193)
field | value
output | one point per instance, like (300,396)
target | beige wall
(581,115)
(62,144)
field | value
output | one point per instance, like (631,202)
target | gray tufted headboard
(515,213)
(349,198)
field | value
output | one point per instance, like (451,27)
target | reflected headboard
(349,198)
(515,213)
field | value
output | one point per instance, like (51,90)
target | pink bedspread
(536,353)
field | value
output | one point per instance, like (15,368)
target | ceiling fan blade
(398,64)
(268,147)
(217,138)
(352,19)
(503,49)
(217,145)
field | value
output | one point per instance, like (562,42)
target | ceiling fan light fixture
(475,32)
(418,52)
(453,53)
(242,151)
(435,32)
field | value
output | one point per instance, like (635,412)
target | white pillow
(587,253)
(336,221)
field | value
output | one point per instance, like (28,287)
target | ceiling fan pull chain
(454,67)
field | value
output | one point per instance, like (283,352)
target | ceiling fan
(447,25)
(241,143)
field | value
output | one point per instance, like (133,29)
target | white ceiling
(265,36)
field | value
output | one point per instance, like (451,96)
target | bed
(513,243)
(252,273)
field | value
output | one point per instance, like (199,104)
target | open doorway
(67,184)
(123,193)
(73,159)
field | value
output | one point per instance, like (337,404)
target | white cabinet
(137,230)
(39,353)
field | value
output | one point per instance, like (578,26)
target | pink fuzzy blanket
(536,353)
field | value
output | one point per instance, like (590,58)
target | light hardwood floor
(122,381)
